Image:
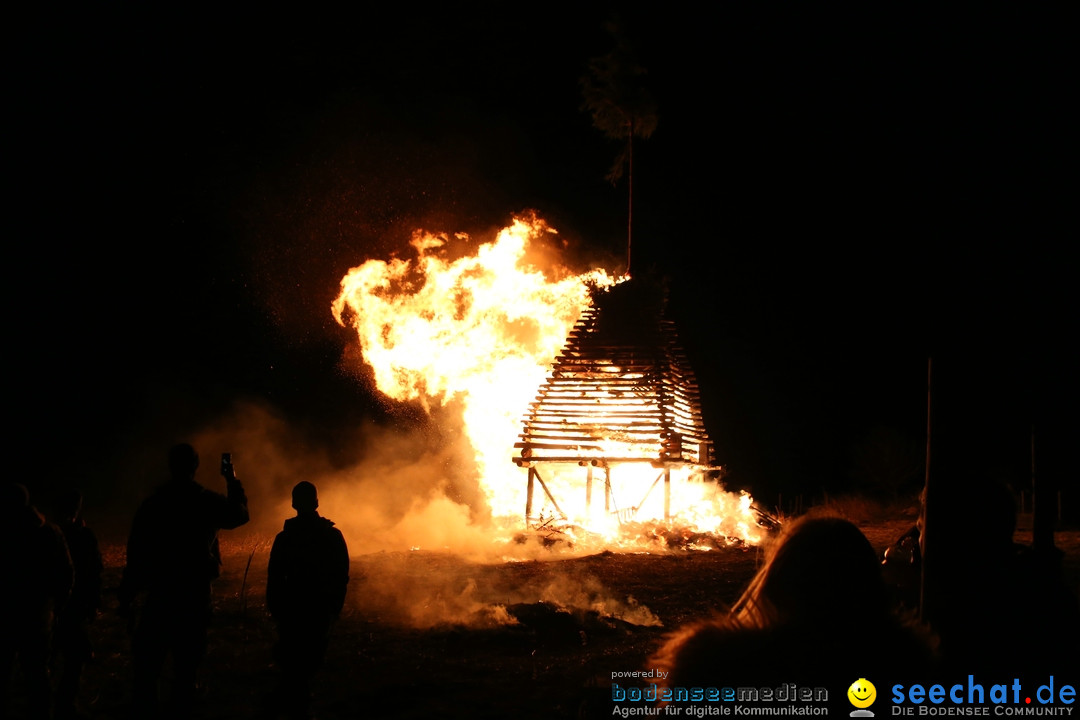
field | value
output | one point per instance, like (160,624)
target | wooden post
(607,489)
(588,492)
(529,496)
(630,192)
(667,493)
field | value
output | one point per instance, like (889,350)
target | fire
(697,507)
(480,331)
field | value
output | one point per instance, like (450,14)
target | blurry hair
(690,654)
(818,570)
(819,599)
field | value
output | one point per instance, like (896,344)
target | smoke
(410,484)
(426,590)
(399,488)
(422,556)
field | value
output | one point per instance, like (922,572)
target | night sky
(835,198)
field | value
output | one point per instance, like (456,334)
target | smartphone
(226,465)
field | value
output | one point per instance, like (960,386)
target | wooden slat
(638,394)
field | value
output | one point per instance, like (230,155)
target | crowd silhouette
(55,568)
(822,606)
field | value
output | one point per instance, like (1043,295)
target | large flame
(481,330)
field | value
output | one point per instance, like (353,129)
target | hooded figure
(305,591)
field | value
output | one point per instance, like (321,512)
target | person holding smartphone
(172,558)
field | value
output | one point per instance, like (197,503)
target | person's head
(819,569)
(68,504)
(183,461)
(305,498)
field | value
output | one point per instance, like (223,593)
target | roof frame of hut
(620,392)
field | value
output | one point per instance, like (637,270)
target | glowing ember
(481,331)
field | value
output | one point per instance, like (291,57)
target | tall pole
(924,510)
(630,187)
(929,414)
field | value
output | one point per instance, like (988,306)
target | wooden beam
(529,497)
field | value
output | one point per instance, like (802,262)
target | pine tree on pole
(622,108)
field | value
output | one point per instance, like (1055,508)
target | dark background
(835,196)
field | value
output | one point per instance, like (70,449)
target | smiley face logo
(862,693)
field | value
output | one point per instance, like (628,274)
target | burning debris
(470,337)
(621,395)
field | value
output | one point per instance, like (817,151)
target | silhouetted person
(37,578)
(173,556)
(995,603)
(305,591)
(817,609)
(72,637)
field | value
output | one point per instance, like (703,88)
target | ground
(392,655)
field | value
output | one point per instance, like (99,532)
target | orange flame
(482,330)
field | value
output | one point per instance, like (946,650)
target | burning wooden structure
(620,393)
